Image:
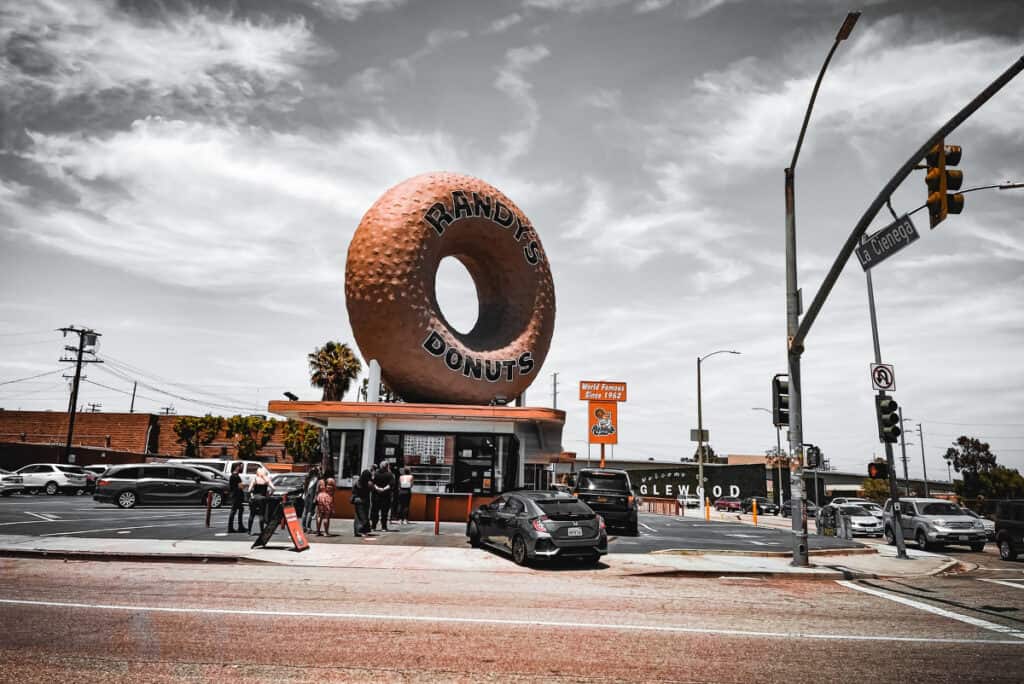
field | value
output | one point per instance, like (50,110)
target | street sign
(696,436)
(883,377)
(878,247)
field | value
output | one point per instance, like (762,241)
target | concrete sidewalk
(446,559)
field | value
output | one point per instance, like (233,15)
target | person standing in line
(309,498)
(260,488)
(237,498)
(361,504)
(325,507)
(383,488)
(404,495)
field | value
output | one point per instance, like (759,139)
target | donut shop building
(450,449)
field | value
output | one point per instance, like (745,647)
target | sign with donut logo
(392,304)
(603,422)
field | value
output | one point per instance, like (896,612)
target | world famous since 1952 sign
(392,302)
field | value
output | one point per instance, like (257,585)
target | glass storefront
(346,454)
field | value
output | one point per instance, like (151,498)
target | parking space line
(41,517)
(977,622)
(110,529)
(433,619)
(1006,582)
(648,527)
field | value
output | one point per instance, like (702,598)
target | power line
(128,368)
(191,400)
(31,377)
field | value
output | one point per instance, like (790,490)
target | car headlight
(939,523)
(979,525)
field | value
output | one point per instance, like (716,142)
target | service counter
(453,507)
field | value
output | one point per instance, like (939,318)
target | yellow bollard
(755,512)
(707,508)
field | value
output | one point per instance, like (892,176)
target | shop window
(475,457)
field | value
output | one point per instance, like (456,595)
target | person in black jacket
(361,502)
(383,490)
(237,498)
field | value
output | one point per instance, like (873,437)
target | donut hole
(456,295)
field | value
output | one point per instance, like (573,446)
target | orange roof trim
(361,409)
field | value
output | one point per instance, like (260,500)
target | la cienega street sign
(878,247)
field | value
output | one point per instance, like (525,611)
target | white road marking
(75,520)
(109,529)
(648,527)
(1006,582)
(41,517)
(977,622)
(124,532)
(434,619)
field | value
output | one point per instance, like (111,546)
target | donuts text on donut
(490,369)
(438,217)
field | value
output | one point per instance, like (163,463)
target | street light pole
(924,466)
(793,311)
(700,424)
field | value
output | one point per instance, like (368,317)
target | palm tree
(333,367)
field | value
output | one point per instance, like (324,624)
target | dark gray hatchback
(539,524)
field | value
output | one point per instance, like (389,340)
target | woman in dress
(325,507)
(260,488)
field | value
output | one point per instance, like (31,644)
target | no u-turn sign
(883,377)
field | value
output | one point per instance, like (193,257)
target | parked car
(292,486)
(215,472)
(609,493)
(561,488)
(689,501)
(873,508)
(839,500)
(539,524)
(787,508)
(934,522)
(52,478)
(862,522)
(158,483)
(10,483)
(765,506)
(728,503)
(223,466)
(1010,528)
(990,525)
(97,469)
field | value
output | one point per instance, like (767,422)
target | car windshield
(615,482)
(71,469)
(940,509)
(564,508)
(288,480)
(854,510)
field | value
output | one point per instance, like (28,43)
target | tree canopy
(251,433)
(875,490)
(332,368)
(196,431)
(302,441)
(970,456)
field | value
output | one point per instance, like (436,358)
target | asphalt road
(97,621)
(80,516)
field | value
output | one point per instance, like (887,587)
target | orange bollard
(707,508)
(437,515)
(755,512)
(469,507)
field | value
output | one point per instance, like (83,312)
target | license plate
(964,537)
(575,531)
(602,499)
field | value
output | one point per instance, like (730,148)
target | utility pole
(95,407)
(554,390)
(924,466)
(135,386)
(86,337)
(903,448)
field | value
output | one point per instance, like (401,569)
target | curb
(761,554)
(830,575)
(114,556)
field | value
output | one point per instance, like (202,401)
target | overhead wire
(32,377)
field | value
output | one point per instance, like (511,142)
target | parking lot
(80,516)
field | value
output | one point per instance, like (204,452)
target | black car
(786,509)
(765,506)
(1010,528)
(609,493)
(158,483)
(291,486)
(539,524)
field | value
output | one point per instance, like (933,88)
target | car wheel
(216,499)
(126,499)
(890,538)
(519,551)
(1006,551)
(922,540)
(51,488)
(977,547)
(474,534)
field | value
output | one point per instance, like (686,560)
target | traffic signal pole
(894,493)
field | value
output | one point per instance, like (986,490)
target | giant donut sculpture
(392,305)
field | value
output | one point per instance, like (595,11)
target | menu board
(423,448)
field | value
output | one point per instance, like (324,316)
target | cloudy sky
(185,178)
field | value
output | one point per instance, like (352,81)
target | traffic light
(878,471)
(780,400)
(813,457)
(888,418)
(940,180)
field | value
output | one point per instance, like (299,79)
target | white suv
(52,478)
(249,468)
